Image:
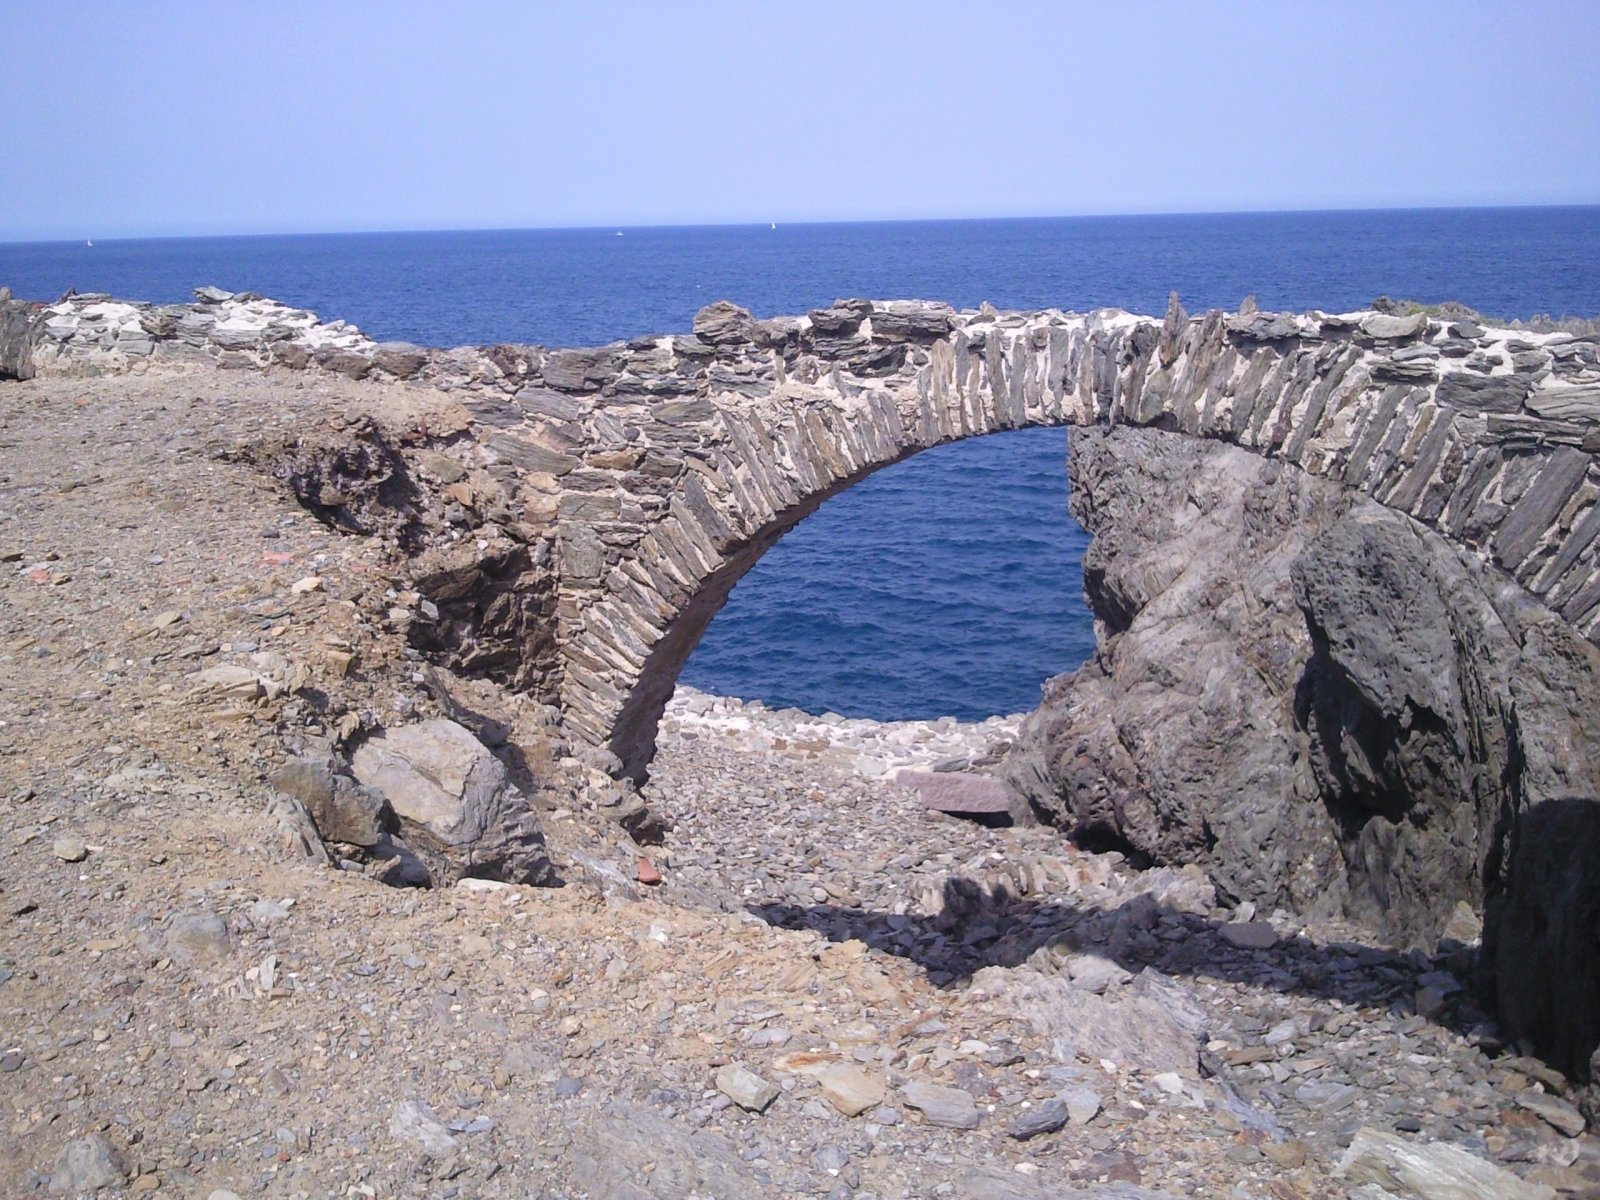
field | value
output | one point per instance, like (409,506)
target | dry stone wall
(663,467)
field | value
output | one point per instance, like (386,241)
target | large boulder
(1333,710)
(1176,742)
(17,335)
(458,809)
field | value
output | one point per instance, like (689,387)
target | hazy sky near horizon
(200,118)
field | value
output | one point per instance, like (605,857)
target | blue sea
(950,583)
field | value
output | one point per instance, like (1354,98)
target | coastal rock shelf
(1399,589)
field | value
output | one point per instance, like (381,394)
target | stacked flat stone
(93,333)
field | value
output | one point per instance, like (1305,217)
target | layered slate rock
(1177,742)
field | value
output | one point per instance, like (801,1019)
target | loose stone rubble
(1280,1042)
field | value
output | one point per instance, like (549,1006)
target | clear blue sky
(193,118)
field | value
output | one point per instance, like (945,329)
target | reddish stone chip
(956,791)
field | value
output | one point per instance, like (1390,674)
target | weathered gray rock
(17,338)
(842,318)
(1263,326)
(580,370)
(1430,1171)
(850,1089)
(912,320)
(400,359)
(237,334)
(86,1165)
(1326,705)
(1579,402)
(456,805)
(196,938)
(1484,393)
(349,363)
(1558,1114)
(1380,325)
(1153,1028)
(1095,973)
(951,1108)
(1177,740)
(1041,1119)
(1082,1104)
(341,809)
(745,1088)
(723,323)
(558,406)
(425,771)
(1249,935)
(413,1121)
(1435,707)
(229,682)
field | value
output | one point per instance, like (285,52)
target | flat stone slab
(951,1108)
(956,791)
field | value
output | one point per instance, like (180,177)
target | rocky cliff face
(1177,741)
(1332,709)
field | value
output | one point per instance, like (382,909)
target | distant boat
(619,233)
(774,224)
(89,243)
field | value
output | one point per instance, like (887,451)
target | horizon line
(743,224)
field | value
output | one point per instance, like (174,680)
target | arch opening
(948,585)
(634,732)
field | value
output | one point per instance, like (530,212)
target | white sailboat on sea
(90,242)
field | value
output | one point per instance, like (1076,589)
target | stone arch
(681,460)
(768,458)
(632,733)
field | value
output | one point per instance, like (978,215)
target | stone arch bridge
(663,467)
(676,462)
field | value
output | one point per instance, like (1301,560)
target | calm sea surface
(951,582)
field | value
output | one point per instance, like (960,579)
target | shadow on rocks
(1540,934)
(981,928)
